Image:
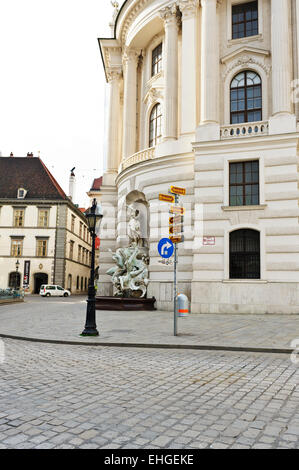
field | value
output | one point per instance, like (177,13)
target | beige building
(41,229)
(204,95)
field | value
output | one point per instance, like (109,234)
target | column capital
(188,7)
(170,15)
(130,55)
(205,2)
(114,74)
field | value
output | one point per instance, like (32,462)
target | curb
(155,346)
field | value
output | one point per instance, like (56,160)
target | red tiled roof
(30,174)
(97,183)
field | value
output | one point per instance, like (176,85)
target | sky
(53,93)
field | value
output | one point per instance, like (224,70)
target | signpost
(176,229)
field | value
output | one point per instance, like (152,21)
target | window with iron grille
(244,251)
(155,125)
(246,98)
(157,60)
(245,20)
(244,183)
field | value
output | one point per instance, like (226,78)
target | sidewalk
(62,322)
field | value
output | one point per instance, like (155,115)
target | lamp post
(16,276)
(94,217)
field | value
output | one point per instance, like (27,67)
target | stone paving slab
(63,320)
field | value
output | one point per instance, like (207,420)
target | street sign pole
(175,281)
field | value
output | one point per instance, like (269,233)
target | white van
(53,290)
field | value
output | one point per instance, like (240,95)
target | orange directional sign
(177,210)
(177,239)
(176,219)
(166,198)
(174,229)
(177,190)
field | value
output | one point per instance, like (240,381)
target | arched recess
(136,202)
(39,280)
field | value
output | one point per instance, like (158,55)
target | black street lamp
(16,276)
(94,217)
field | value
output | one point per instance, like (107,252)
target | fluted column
(209,128)
(130,61)
(282,118)
(170,55)
(113,158)
(189,65)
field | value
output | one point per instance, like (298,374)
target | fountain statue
(130,275)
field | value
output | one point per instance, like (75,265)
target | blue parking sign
(165,248)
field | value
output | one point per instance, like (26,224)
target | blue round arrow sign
(165,248)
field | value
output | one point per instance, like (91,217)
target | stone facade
(200,141)
(39,228)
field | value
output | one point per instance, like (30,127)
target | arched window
(246,98)
(155,125)
(244,254)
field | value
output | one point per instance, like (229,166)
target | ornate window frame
(239,64)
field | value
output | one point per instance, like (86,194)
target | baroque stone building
(204,95)
(40,229)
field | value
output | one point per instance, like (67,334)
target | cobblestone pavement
(62,396)
(63,319)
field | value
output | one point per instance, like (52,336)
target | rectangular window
(41,248)
(43,218)
(79,253)
(245,20)
(16,247)
(71,249)
(80,229)
(19,217)
(244,183)
(73,223)
(157,60)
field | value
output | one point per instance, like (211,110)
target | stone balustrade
(142,156)
(244,130)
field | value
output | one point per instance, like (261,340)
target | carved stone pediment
(153,95)
(246,56)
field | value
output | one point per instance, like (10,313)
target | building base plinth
(123,303)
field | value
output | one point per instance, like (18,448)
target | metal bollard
(183,305)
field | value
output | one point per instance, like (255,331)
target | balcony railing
(235,131)
(142,156)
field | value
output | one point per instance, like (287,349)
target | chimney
(29,155)
(72,184)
